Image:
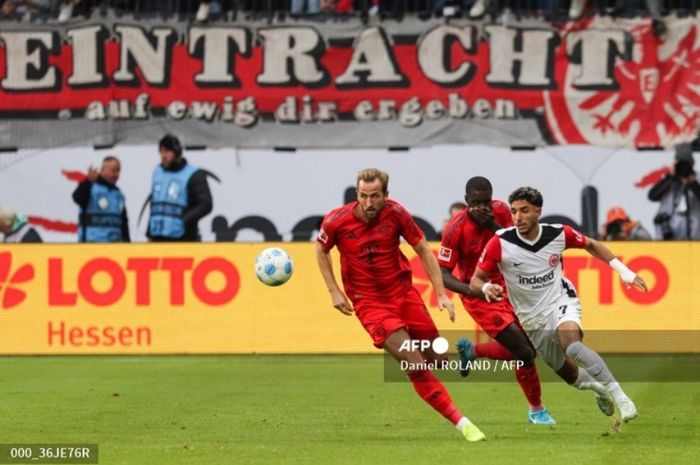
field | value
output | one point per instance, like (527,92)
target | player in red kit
(463,240)
(378,285)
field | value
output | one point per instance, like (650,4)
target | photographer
(619,227)
(678,192)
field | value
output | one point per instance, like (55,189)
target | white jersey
(533,269)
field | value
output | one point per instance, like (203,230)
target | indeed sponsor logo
(532,280)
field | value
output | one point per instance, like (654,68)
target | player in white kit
(529,256)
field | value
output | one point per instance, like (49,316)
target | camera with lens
(663,221)
(614,230)
(683,168)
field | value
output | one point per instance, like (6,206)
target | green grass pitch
(321,410)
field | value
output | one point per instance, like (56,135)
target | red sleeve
(343,6)
(491,255)
(449,247)
(326,235)
(409,229)
(573,238)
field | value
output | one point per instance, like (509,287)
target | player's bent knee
(568,333)
(525,354)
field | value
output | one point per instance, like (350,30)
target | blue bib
(102,219)
(169,201)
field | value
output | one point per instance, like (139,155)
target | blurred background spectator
(69,8)
(8,10)
(305,7)
(15,228)
(654,8)
(619,227)
(678,193)
(453,211)
(42,10)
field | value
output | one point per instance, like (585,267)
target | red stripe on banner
(53,225)
(76,176)
(652,178)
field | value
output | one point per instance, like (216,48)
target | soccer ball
(274,266)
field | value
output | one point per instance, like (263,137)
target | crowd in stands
(205,10)
(60,10)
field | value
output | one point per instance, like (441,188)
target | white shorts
(545,339)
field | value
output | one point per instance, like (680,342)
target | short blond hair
(370,174)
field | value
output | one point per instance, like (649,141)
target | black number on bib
(562,309)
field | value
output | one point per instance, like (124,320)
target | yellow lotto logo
(205,298)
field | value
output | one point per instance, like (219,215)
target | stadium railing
(384,9)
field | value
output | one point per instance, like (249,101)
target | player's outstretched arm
(601,252)
(452,283)
(325,265)
(432,269)
(479,286)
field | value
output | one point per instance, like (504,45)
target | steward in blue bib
(169,200)
(180,196)
(102,206)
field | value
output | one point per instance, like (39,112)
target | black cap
(170,142)
(684,152)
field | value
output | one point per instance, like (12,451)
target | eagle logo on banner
(656,100)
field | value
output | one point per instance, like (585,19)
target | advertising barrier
(205,298)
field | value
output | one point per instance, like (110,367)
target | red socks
(492,350)
(529,382)
(434,393)
(527,377)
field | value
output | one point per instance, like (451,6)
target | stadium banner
(306,83)
(205,298)
(265,195)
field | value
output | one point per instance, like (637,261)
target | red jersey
(463,240)
(372,265)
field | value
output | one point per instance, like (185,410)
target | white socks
(462,423)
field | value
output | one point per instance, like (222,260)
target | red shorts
(381,319)
(492,317)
